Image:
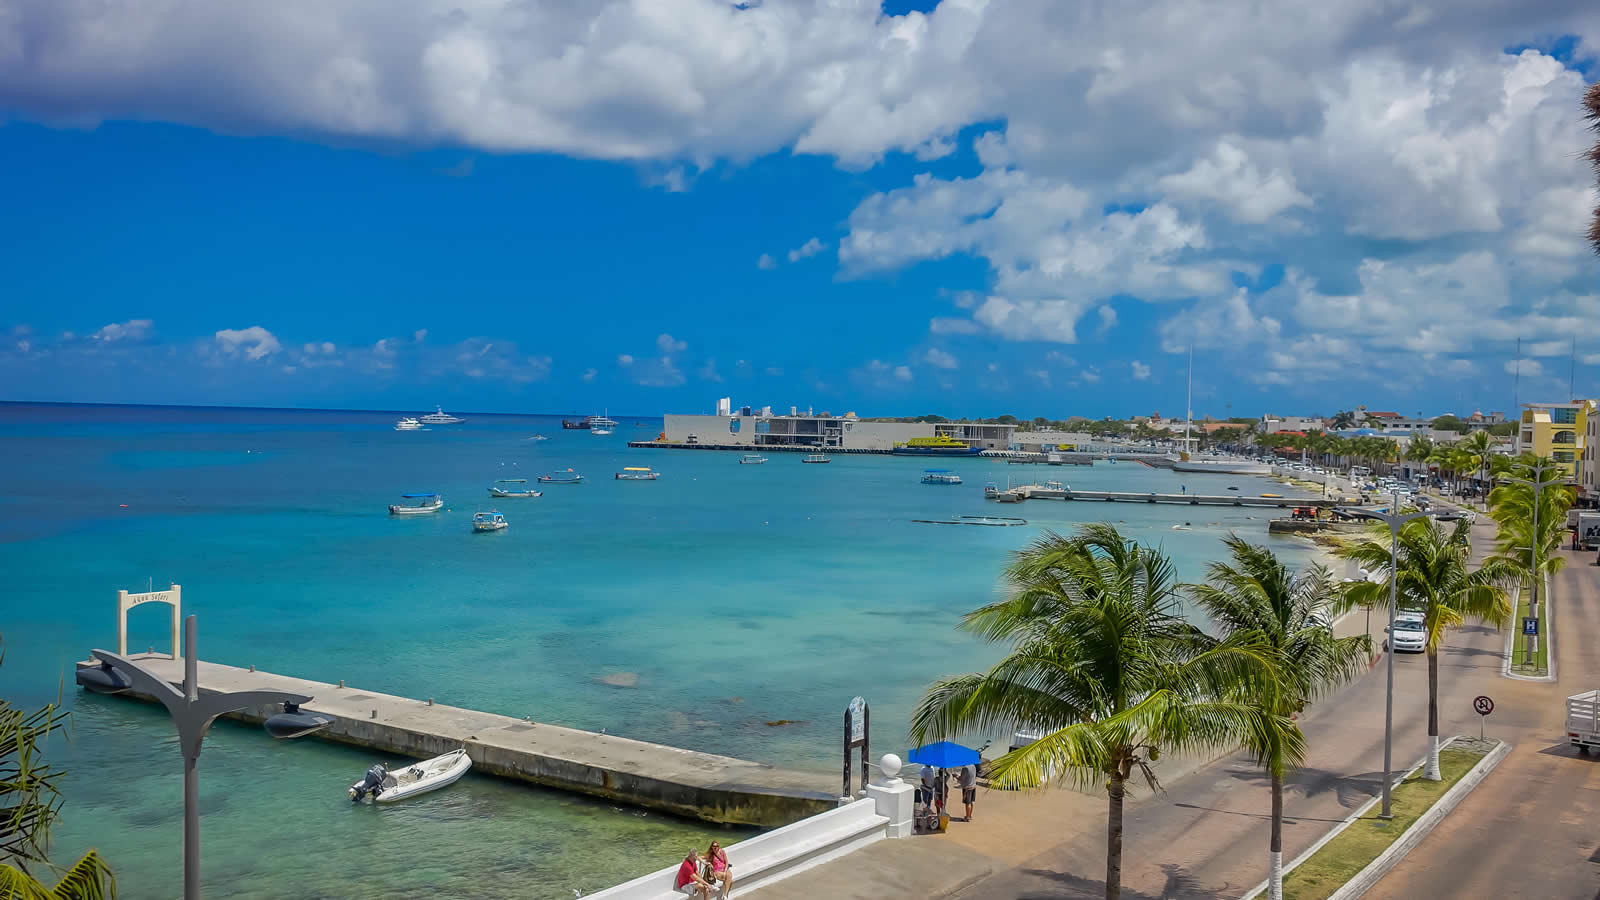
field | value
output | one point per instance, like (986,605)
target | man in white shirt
(969,787)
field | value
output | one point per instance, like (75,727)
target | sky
(969,207)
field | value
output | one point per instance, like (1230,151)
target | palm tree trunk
(1114,790)
(1432,771)
(1275,863)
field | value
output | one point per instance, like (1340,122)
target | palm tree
(1432,576)
(1481,446)
(1462,461)
(1259,600)
(29,803)
(1532,554)
(1591,102)
(1420,448)
(1342,420)
(1103,664)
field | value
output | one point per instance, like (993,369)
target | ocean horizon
(693,611)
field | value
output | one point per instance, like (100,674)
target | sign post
(857,731)
(1530,626)
(172,596)
(1482,706)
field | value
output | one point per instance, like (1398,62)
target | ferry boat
(637,473)
(488,521)
(943,445)
(940,476)
(817,458)
(439,417)
(515,487)
(422,504)
(752,459)
(408,424)
(567,477)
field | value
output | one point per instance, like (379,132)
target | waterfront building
(1556,430)
(1271,424)
(845,432)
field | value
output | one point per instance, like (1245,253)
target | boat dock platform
(686,783)
(1036,492)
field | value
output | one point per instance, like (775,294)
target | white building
(835,432)
(725,406)
(1273,424)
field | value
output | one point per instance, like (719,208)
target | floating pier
(686,783)
(1036,492)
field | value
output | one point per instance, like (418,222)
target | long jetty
(686,783)
(1036,492)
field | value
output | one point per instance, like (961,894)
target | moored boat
(580,425)
(942,445)
(488,521)
(599,430)
(514,487)
(940,476)
(422,504)
(385,786)
(817,458)
(407,423)
(637,473)
(752,459)
(567,477)
(439,417)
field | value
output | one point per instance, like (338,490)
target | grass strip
(1342,858)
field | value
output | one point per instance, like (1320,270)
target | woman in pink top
(721,869)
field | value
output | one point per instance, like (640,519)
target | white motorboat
(940,476)
(408,424)
(515,487)
(817,458)
(637,473)
(599,430)
(752,459)
(420,505)
(488,521)
(385,786)
(439,417)
(539,437)
(601,421)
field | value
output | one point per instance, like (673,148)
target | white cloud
(624,360)
(940,359)
(326,348)
(774,371)
(1528,368)
(589,375)
(708,371)
(1546,348)
(766,262)
(419,335)
(1590,359)
(1090,375)
(666,343)
(810,248)
(131,330)
(254,342)
(902,373)
(1140,370)
(1108,320)
(943,325)
(657,372)
(1229,179)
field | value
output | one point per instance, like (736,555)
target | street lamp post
(1395,521)
(193,714)
(1538,471)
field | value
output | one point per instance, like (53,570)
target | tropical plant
(1419,448)
(1481,447)
(1431,575)
(1530,551)
(1259,600)
(29,802)
(1343,420)
(1104,666)
(1591,102)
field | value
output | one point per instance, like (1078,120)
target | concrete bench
(768,857)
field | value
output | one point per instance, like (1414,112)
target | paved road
(1532,829)
(1207,836)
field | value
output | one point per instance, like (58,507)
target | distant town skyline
(833,204)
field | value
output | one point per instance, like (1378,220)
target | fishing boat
(752,459)
(567,477)
(420,505)
(637,473)
(817,458)
(439,417)
(512,489)
(384,786)
(942,445)
(488,521)
(940,476)
(408,424)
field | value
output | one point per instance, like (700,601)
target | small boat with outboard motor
(488,521)
(420,505)
(513,487)
(385,786)
(567,477)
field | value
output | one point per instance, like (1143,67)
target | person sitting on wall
(689,881)
(721,871)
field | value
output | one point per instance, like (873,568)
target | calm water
(727,596)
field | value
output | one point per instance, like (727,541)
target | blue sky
(923,235)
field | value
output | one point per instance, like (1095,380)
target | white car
(1408,635)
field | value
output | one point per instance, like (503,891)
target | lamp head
(293,722)
(104,679)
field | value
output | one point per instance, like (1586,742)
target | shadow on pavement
(1179,886)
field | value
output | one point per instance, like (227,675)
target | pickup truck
(1583,720)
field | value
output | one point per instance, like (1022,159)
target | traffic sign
(1482,706)
(1530,625)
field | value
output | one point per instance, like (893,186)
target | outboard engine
(372,784)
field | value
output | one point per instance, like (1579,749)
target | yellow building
(1556,430)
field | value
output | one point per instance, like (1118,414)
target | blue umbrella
(944,755)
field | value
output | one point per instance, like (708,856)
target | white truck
(1583,720)
(1586,530)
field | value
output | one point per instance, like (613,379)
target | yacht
(601,422)
(940,476)
(598,429)
(408,424)
(439,417)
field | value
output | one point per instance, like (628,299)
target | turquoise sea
(723,596)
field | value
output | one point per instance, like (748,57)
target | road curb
(1550,637)
(1367,877)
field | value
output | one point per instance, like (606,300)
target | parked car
(1408,635)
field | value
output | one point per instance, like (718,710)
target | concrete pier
(1035,492)
(682,782)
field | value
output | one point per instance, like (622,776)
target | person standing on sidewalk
(969,788)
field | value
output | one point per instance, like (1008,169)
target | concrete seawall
(682,782)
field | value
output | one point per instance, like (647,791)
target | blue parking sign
(1530,625)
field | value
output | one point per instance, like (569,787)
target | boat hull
(414,510)
(439,772)
(495,493)
(936,451)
